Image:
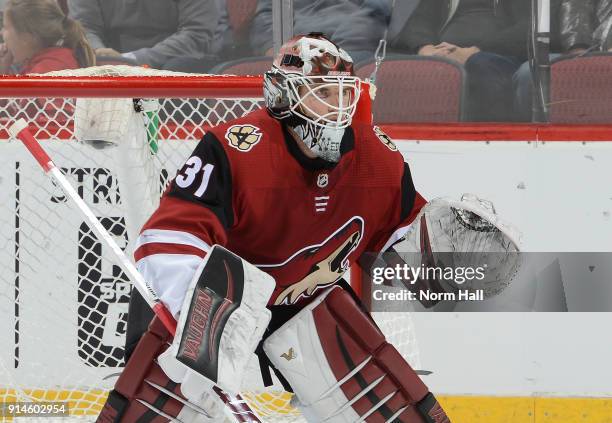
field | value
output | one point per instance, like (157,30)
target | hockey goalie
(248,249)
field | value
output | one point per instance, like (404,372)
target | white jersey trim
(166,236)
(169,276)
(395,236)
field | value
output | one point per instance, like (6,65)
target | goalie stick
(19,130)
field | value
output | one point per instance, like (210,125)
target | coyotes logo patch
(384,138)
(316,266)
(243,137)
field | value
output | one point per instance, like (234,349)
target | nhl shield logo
(322,180)
(243,137)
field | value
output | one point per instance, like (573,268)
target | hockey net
(63,298)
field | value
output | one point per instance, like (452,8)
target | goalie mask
(312,84)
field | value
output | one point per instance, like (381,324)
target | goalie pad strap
(342,369)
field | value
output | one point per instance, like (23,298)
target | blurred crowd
(487,38)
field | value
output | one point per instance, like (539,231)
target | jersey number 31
(189,173)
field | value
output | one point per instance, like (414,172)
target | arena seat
(417,89)
(581,89)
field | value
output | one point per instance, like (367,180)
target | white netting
(63,299)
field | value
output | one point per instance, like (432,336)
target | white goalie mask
(312,80)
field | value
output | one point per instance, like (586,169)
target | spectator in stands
(163,34)
(356,25)
(400,12)
(487,37)
(231,39)
(586,25)
(578,27)
(1,18)
(39,38)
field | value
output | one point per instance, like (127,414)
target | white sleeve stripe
(165,253)
(395,237)
(166,236)
(169,276)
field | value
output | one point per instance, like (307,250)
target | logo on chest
(317,266)
(322,180)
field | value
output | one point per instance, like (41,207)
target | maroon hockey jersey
(248,187)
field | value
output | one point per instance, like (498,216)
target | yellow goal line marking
(481,409)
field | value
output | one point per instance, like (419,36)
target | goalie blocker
(223,318)
(342,370)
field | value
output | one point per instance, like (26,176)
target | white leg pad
(342,370)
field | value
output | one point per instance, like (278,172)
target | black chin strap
(293,121)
